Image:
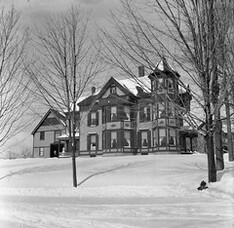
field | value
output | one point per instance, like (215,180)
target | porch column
(191,143)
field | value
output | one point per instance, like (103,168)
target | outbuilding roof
(59,116)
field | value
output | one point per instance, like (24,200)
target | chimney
(141,71)
(93,90)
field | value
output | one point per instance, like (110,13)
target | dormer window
(170,84)
(160,84)
(153,86)
(113,88)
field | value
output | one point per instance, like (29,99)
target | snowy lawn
(133,191)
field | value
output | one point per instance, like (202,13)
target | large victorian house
(141,115)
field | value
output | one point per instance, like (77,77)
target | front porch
(188,140)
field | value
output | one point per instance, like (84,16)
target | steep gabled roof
(131,84)
(59,116)
(163,67)
(88,100)
(127,86)
(111,81)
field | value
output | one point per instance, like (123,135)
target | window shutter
(88,142)
(108,114)
(103,140)
(148,113)
(149,138)
(103,115)
(132,112)
(97,142)
(121,115)
(108,139)
(139,139)
(132,139)
(119,139)
(97,118)
(89,119)
(141,110)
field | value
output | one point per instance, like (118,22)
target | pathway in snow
(137,191)
(67,212)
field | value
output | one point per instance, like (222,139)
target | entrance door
(54,152)
(55,148)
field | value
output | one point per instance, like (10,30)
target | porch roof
(66,136)
(188,131)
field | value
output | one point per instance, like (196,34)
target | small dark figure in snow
(202,186)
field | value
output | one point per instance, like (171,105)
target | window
(56,135)
(113,113)
(155,137)
(113,139)
(93,118)
(170,84)
(145,114)
(155,112)
(144,139)
(161,110)
(93,143)
(153,85)
(171,110)
(42,135)
(63,132)
(160,84)
(41,151)
(127,139)
(162,137)
(172,137)
(126,113)
(112,88)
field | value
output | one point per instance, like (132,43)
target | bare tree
(226,65)
(14,95)
(186,32)
(68,61)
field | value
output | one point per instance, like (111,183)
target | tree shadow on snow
(129,165)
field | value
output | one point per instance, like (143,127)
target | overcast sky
(35,11)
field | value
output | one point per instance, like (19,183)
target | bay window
(172,137)
(162,137)
(113,139)
(127,139)
(155,137)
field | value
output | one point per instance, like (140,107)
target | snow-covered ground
(133,191)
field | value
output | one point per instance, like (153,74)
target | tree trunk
(211,161)
(72,149)
(229,130)
(218,143)
(212,175)
(74,156)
